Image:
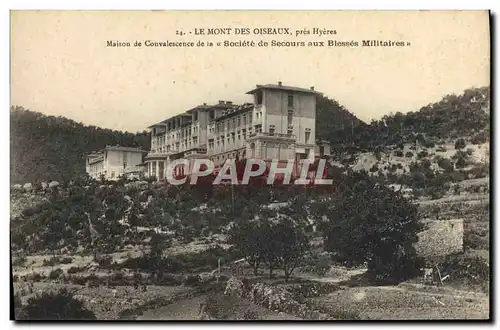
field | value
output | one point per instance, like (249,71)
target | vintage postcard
(250,165)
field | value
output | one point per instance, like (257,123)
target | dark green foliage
(422,154)
(55,273)
(290,243)
(317,264)
(56,261)
(452,116)
(429,144)
(45,148)
(75,269)
(104,261)
(480,138)
(249,238)
(374,168)
(409,154)
(333,118)
(221,307)
(56,306)
(399,153)
(371,223)
(465,269)
(19,261)
(446,165)
(460,144)
(251,315)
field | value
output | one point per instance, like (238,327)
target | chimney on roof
(279,83)
(221,102)
(312,88)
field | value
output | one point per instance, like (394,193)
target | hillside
(45,148)
(464,115)
(332,117)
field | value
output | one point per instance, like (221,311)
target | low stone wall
(441,238)
(281,298)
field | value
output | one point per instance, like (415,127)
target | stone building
(278,124)
(113,162)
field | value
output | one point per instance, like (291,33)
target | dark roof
(283,87)
(163,122)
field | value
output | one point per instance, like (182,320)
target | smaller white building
(113,162)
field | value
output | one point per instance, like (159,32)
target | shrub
(480,138)
(441,149)
(19,261)
(56,261)
(345,315)
(318,264)
(56,306)
(465,269)
(116,276)
(399,153)
(36,277)
(423,154)
(446,164)
(104,261)
(66,260)
(221,307)
(55,273)
(251,315)
(460,144)
(75,269)
(409,154)
(469,151)
(364,227)
(429,144)
(374,168)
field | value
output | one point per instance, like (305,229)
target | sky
(61,65)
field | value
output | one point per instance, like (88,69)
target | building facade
(113,162)
(278,124)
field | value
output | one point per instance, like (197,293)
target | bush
(251,315)
(152,263)
(55,273)
(56,261)
(364,227)
(446,164)
(460,144)
(465,269)
(409,154)
(429,144)
(19,261)
(35,277)
(221,307)
(345,315)
(56,306)
(318,264)
(374,168)
(423,154)
(75,269)
(469,151)
(104,261)
(399,153)
(480,138)
(441,149)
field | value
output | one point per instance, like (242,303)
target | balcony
(276,135)
(156,155)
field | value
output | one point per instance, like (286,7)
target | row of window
(259,99)
(232,123)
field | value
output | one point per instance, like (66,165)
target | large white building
(279,124)
(113,162)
